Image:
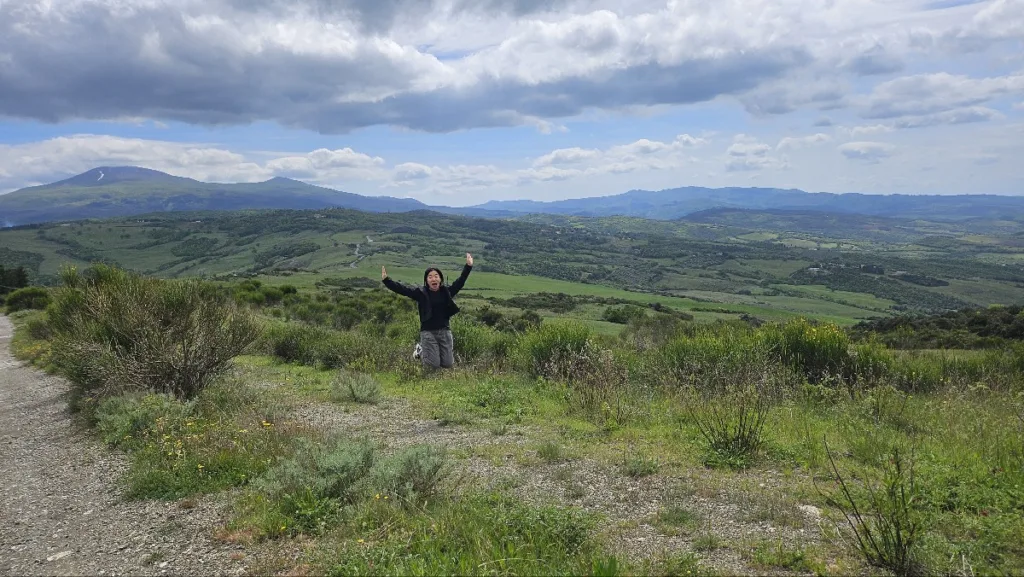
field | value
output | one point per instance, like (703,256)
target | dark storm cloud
(153,61)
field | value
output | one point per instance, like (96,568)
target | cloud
(411,171)
(558,165)
(866,151)
(822,122)
(336,66)
(748,154)
(49,160)
(866,129)
(932,93)
(958,116)
(795,142)
(873,61)
(566,156)
(1018,106)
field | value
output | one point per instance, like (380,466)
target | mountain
(675,203)
(127,190)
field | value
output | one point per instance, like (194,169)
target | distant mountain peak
(103,175)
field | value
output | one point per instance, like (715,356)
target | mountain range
(124,191)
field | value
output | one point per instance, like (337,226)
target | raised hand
(469,259)
(383,273)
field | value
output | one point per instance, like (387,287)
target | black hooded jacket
(435,308)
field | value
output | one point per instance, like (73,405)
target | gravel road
(61,509)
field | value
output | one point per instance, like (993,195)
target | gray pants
(438,348)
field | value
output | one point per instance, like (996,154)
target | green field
(710,270)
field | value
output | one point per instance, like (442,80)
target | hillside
(678,202)
(107,192)
(125,191)
(708,271)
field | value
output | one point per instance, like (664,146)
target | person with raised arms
(436,302)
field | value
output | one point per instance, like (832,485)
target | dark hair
(426,273)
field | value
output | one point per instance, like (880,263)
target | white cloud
(444,65)
(795,142)
(866,151)
(567,156)
(748,154)
(410,171)
(933,93)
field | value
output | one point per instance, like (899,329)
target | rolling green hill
(707,270)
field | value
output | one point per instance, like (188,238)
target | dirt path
(61,511)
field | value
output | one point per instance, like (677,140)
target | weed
(639,465)
(707,542)
(732,422)
(357,387)
(550,452)
(769,555)
(885,522)
(676,517)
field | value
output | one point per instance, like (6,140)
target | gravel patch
(61,509)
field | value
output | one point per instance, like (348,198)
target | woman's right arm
(396,286)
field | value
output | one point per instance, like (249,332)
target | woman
(436,305)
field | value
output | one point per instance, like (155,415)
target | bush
(561,350)
(885,521)
(309,487)
(411,475)
(365,350)
(117,331)
(624,314)
(28,298)
(819,352)
(731,412)
(38,329)
(358,387)
(126,420)
(653,331)
(709,355)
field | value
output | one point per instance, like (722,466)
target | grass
(969,468)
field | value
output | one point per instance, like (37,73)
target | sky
(457,102)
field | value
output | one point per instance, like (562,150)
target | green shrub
(325,348)
(559,349)
(125,421)
(412,475)
(817,351)
(117,331)
(304,492)
(731,412)
(710,355)
(28,298)
(39,329)
(357,387)
(623,314)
